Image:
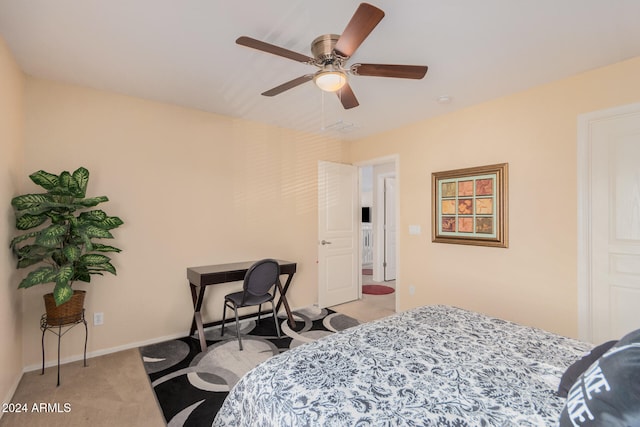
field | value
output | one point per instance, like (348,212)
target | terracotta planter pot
(69,312)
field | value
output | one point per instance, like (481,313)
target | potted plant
(62,227)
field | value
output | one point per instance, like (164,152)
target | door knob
(324,242)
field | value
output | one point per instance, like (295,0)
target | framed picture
(470,206)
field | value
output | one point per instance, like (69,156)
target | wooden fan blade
(288,85)
(273,49)
(381,70)
(364,20)
(347,97)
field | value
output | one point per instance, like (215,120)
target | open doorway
(378,188)
(373,251)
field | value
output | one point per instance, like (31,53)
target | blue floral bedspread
(431,366)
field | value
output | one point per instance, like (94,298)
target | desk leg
(203,341)
(283,291)
(194,300)
(197,317)
(283,299)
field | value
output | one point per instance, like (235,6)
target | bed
(430,366)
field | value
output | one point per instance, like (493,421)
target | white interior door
(338,233)
(390,228)
(614,260)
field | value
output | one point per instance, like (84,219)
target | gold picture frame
(470,206)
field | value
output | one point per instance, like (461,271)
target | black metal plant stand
(56,328)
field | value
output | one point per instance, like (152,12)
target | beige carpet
(113,390)
(370,307)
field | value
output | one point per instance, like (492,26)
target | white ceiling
(184,52)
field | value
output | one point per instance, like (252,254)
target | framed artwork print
(470,206)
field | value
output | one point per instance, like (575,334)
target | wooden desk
(201,277)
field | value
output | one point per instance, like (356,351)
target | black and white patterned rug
(191,385)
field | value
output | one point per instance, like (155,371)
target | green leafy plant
(63,232)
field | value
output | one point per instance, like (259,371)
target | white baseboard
(12,391)
(103,352)
(106,351)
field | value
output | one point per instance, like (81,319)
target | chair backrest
(261,276)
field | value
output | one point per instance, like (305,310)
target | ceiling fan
(330,54)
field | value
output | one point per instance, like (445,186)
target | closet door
(613,256)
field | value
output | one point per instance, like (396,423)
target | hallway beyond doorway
(370,307)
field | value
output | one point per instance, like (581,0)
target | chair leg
(224,314)
(275,318)
(259,310)
(235,308)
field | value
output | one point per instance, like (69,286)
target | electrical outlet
(412,290)
(98,319)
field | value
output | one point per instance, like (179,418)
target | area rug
(377,289)
(191,385)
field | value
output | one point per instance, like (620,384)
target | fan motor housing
(322,48)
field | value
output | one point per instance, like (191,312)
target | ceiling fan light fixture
(330,80)
(331,53)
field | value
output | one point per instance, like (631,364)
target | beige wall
(534,281)
(193,188)
(196,188)
(11,143)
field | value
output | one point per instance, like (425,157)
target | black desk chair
(258,280)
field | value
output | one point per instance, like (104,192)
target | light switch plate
(414,230)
